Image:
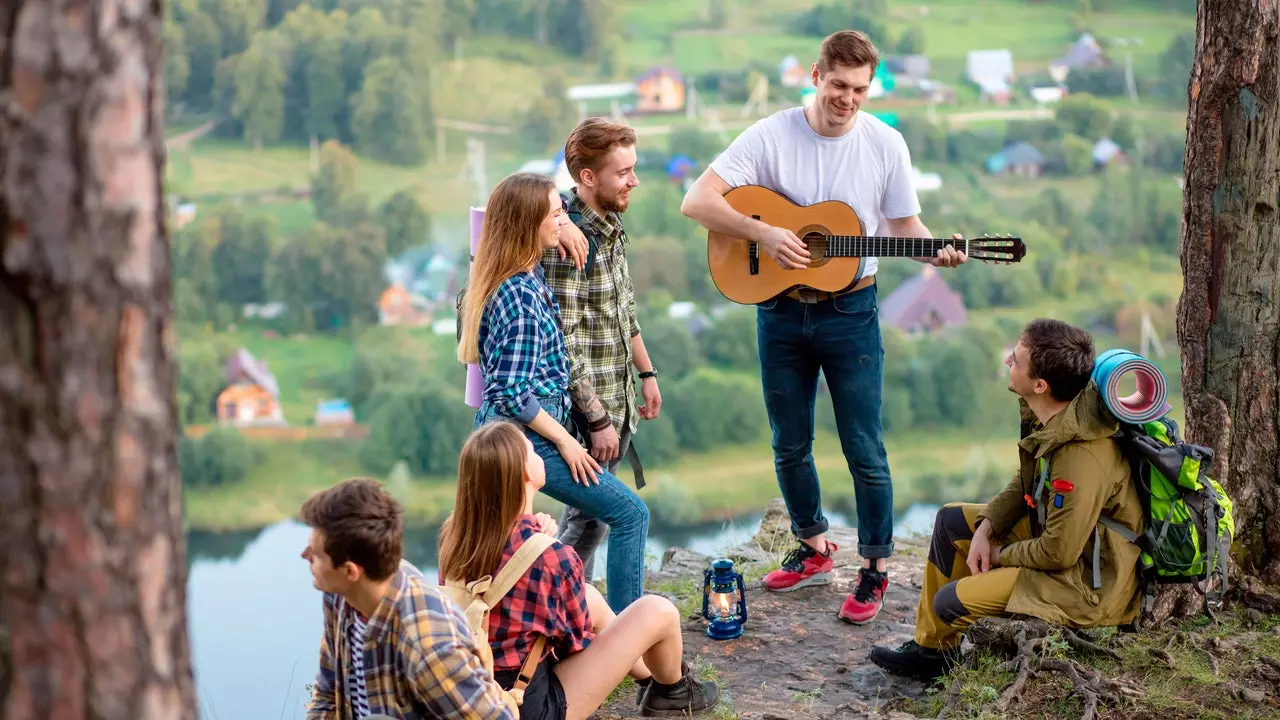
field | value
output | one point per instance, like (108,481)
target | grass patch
(1172,665)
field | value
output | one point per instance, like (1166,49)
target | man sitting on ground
(1038,547)
(393,644)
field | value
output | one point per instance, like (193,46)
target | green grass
(1189,687)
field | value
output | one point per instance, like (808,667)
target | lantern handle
(706,593)
(742,597)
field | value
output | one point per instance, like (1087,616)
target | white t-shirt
(869,167)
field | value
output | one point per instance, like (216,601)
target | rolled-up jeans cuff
(812,530)
(873,552)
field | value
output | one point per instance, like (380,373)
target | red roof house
(923,304)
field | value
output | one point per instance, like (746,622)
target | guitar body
(730,258)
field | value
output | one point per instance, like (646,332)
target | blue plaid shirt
(522,352)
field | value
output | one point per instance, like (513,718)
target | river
(255,619)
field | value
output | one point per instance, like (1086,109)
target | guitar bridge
(754,253)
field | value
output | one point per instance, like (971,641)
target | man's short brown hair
(590,141)
(1061,354)
(360,522)
(850,48)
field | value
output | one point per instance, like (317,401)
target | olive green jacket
(1092,476)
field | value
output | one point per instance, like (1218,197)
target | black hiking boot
(686,697)
(911,660)
(641,687)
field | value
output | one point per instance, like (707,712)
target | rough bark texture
(93,569)
(1229,316)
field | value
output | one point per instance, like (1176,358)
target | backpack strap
(531,662)
(512,570)
(1042,479)
(593,242)
(515,568)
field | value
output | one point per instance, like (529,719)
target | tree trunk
(1228,315)
(93,570)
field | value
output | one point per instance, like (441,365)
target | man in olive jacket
(1037,548)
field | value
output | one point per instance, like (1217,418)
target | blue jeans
(841,337)
(612,502)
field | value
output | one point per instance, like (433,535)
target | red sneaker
(864,604)
(802,567)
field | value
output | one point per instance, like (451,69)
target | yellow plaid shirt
(420,658)
(598,314)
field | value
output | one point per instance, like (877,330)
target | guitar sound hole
(816,241)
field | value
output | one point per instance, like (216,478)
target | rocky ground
(797,659)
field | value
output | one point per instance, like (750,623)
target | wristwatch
(653,373)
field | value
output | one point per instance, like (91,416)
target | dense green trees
(363,72)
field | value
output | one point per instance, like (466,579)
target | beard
(616,204)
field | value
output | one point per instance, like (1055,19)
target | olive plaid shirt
(420,658)
(598,314)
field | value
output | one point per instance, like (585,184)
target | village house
(334,412)
(1021,159)
(992,72)
(923,304)
(398,306)
(1107,152)
(252,395)
(1084,54)
(793,74)
(908,70)
(660,90)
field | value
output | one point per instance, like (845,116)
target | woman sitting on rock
(588,650)
(511,327)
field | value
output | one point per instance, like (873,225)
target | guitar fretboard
(870,246)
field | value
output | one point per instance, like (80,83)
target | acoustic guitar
(833,233)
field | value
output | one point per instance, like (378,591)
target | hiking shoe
(802,567)
(912,660)
(641,686)
(864,604)
(685,697)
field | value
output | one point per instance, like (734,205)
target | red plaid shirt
(549,600)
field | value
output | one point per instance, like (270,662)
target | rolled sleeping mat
(1147,403)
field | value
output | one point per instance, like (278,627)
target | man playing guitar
(828,151)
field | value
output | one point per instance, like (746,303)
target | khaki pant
(952,598)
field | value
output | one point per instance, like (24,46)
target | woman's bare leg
(601,616)
(649,628)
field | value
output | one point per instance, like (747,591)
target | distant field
(1034,32)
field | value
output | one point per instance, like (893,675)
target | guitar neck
(871,246)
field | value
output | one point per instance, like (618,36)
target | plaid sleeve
(516,349)
(322,705)
(448,676)
(571,614)
(571,290)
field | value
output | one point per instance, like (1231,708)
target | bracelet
(598,425)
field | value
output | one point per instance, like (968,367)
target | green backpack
(1188,517)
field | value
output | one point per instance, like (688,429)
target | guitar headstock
(998,249)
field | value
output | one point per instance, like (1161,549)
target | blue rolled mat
(1145,405)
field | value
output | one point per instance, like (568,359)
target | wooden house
(398,306)
(252,395)
(660,90)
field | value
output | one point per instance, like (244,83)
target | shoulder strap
(517,566)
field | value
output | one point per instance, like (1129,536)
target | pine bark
(1229,312)
(92,553)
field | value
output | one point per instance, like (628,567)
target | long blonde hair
(490,498)
(508,245)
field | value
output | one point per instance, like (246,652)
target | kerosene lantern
(724,600)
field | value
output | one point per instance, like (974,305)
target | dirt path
(796,658)
(182,141)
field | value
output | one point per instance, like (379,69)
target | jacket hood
(1085,418)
